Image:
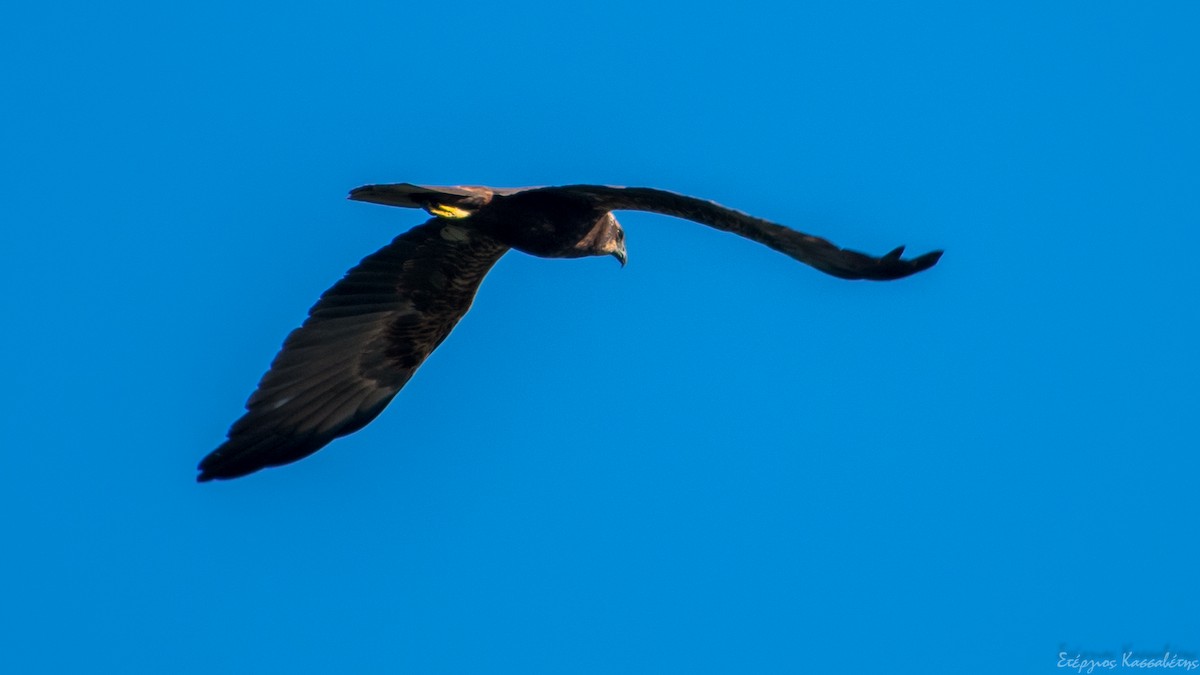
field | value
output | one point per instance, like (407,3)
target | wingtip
(928,260)
(891,266)
(205,468)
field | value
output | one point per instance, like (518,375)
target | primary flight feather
(367,334)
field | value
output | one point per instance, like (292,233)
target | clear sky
(713,460)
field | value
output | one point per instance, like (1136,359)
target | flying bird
(370,332)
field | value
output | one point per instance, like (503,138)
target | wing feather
(361,343)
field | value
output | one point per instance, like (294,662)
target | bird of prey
(370,332)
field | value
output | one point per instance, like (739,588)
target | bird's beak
(619,254)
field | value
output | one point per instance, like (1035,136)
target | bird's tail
(446,201)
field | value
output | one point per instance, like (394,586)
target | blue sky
(713,460)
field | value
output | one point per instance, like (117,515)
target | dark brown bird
(367,335)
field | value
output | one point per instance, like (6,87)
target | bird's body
(367,334)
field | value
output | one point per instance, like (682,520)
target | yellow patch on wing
(447,211)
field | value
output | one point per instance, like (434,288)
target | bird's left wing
(361,343)
(806,248)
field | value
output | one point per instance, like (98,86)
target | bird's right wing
(362,341)
(806,248)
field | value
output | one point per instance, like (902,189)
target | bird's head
(612,238)
(615,243)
